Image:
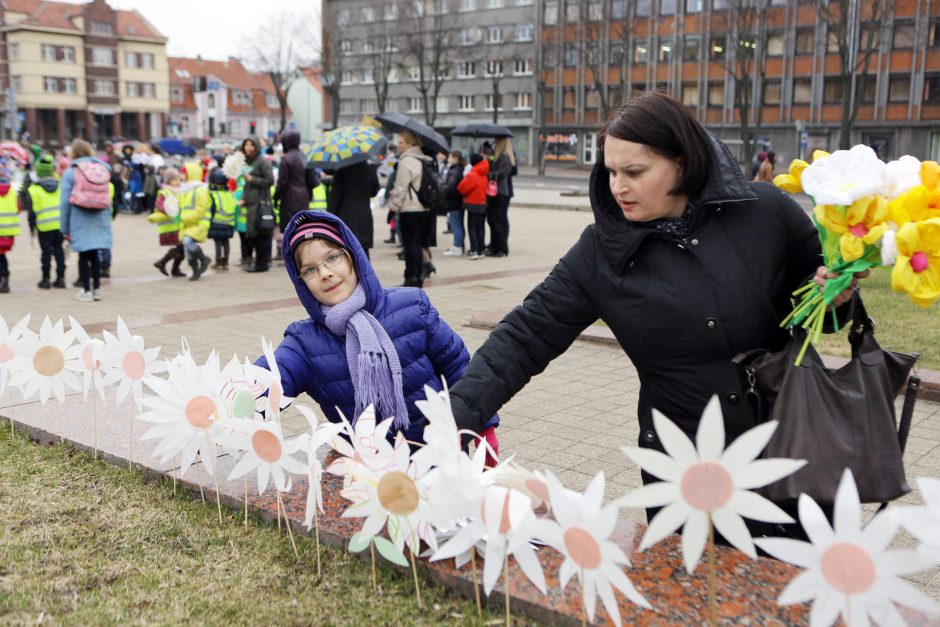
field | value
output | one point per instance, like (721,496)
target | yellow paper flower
(819,154)
(918,203)
(917,269)
(930,174)
(861,223)
(791,182)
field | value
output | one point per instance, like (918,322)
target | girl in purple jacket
(362,344)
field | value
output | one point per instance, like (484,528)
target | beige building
(82,70)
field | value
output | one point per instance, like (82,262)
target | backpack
(90,189)
(431,192)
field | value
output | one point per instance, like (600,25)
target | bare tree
(280,46)
(852,27)
(497,61)
(381,57)
(427,40)
(332,65)
(745,22)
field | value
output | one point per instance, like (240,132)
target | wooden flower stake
(506,583)
(290,534)
(316,535)
(246,501)
(130,439)
(57,420)
(584,616)
(94,422)
(10,409)
(215,478)
(173,474)
(375,586)
(476,586)
(414,571)
(712,577)
(202,495)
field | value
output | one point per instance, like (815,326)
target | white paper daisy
(8,339)
(274,400)
(923,521)
(92,350)
(128,363)
(46,363)
(849,569)
(266,453)
(186,414)
(362,447)
(243,390)
(581,534)
(320,435)
(707,485)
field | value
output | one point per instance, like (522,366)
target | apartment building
(82,70)
(595,53)
(385,54)
(212,99)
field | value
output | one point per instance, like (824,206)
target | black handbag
(835,418)
(264,217)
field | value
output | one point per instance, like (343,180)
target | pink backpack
(90,190)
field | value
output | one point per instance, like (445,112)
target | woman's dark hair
(772,156)
(456,154)
(670,130)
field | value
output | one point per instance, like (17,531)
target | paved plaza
(571,419)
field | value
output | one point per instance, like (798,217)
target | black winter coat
(680,308)
(350,196)
(452,198)
(291,192)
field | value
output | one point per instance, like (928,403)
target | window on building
(523,101)
(569,100)
(494,68)
(572,11)
(465,37)
(522,67)
(490,100)
(414,73)
(667,7)
(149,90)
(690,94)
(805,41)
(520,3)
(417,8)
(465,103)
(868,88)
(716,94)
(368,105)
(693,6)
(210,100)
(644,8)
(347,106)
(390,12)
(494,34)
(772,93)
(50,85)
(494,4)
(691,48)
(271,101)
(665,50)
(716,48)
(68,54)
(367,76)
(130,59)
(832,90)
(442,104)
(641,51)
(147,61)
(776,43)
(802,91)
(550,17)
(102,56)
(48,52)
(595,11)
(102,28)
(103,88)
(176,94)
(899,89)
(933,35)
(615,58)
(592,97)
(467,69)
(346,78)
(549,56)
(16,82)
(931,89)
(14,51)
(571,55)
(904,35)
(525,32)
(467,5)
(368,14)
(133,89)
(345,46)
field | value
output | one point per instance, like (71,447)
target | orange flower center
(919,262)
(706,486)
(199,410)
(48,361)
(398,493)
(848,568)
(134,365)
(582,547)
(266,446)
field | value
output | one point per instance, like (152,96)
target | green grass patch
(85,542)
(900,325)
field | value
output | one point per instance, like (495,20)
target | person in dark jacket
(453,201)
(350,200)
(397,333)
(291,194)
(687,263)
(42,203)
(497,207)
(258,183)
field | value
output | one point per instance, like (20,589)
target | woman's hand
(823,275)
(248,178)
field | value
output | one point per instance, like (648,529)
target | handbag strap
(907,413)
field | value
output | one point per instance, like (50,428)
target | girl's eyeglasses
(332,260)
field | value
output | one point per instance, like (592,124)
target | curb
(929,386)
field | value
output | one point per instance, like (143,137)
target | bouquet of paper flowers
(868,213)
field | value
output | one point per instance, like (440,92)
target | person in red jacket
(473,190)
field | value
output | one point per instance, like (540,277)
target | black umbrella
(430,138)
(481,129)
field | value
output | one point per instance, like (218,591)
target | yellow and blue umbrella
(345,146)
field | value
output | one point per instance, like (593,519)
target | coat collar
(621,238)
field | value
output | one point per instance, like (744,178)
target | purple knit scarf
(373,360)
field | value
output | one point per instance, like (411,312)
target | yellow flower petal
(851,247)
(832,217)
(875,233)
(796,168)
(819,154)
(788,183)
(857,212)
(923,288)
(930,174)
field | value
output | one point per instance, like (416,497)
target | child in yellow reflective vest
(195,216)
(43,199)
(224,211)
(9,228)
(166,215)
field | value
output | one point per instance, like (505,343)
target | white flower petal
(732,527)
(879,532)
(756,507)
(847,520)
(904,593)
(694,538)
(655,463)
(606,593)
(675,441)
(619,579)
(827,607)
(651,495)
(796,552)
(814,522)
(665,522)
(748,446)
(801,588)
(566,572)
(710,437)
(530,565)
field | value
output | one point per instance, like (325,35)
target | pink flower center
(88,358)
(133,364)
(706,486)
(6,354)
(199,410)
(266,446)
(848,568)
(583,548)
(538,488)
(919,262)
(859,230)
(504,522)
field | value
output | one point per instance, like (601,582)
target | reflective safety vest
(241,215)
(190,201)
(45,208)
(225,207)
(277,207)
(318,199)
(9,215)
(170,225)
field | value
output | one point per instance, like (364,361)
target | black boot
(105,272)
(5,283)
(177,256)
(196,265)
(59,281)
(161,264)
(44,284)
(428,269)
(204,262)
(391,238)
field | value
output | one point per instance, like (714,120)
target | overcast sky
(184,22)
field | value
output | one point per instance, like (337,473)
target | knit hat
(4,178)
(45,167)
(36,149)
(314,229)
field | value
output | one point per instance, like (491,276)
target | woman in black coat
(353,189)
(291,193)
(687,262)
